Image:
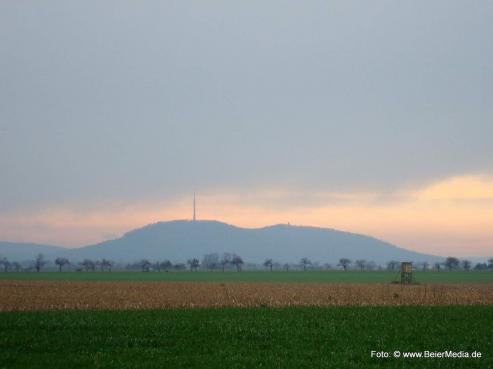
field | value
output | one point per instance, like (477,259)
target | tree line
(225,261)
(450,263)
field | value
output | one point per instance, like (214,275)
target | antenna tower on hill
(194,217)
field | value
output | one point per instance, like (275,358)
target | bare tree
(145,265)
(481,266)
(226,259)
(360,264)
(344,263)
(466,265)
(17,266)
(452,263)
(193,263)
(105,263)
(88,265)
(393,265)
(425,265)
(61,262)
(40,262)
(438,266)
(490,263)
(286,267)
(98,264)
(268,263)
(305,262)
(5,264)
(166,265)
(211,261)
(237,261)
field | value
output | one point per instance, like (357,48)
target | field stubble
(62,295)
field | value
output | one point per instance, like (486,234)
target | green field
(340,337)
(259,276)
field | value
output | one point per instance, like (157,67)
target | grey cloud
(121,99)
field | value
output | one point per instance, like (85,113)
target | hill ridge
(179,240)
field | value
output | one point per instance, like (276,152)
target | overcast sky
(143,102)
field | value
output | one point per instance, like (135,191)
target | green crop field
(259,276)
(338,337)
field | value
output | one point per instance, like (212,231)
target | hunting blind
(406,272)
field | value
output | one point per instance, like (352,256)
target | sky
(370,117)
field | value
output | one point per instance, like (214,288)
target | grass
(338,337)
(258,276)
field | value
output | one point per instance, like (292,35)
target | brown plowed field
(60,295)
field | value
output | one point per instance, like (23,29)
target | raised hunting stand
(406,272)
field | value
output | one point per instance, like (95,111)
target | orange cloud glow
(449,217)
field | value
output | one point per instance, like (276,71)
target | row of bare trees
(92,265)
(210,262)
(214,261)
(7,265)
(40,262)
(450,263)
(306,263)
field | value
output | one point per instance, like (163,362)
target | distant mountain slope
(27,251)
(180,240)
